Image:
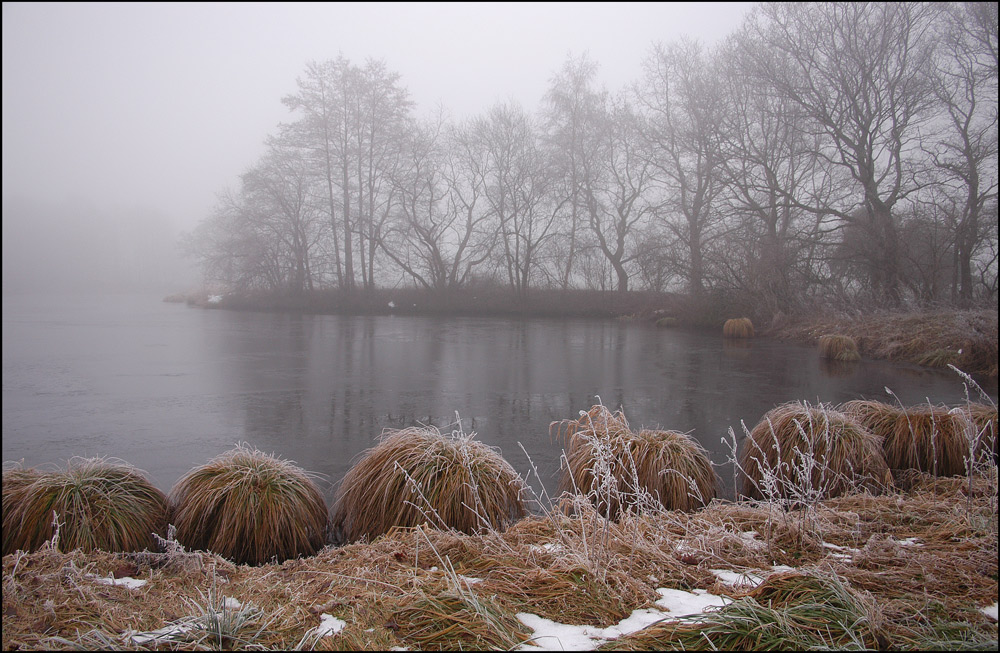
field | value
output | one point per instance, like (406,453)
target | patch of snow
(553,636)
(910,541)
(229,603)
(392,304)
(329,625)
(681,604)
(737,579)
(127,581)
(990,611)
(470,581)
(780,568)
(214,299)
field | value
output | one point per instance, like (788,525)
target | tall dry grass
(838,348)
(621,470)
(740,327)
(932,439)
(984,418)
(798,451)
(419,475)
(100,503)
(249,507)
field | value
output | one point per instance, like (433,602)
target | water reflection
(167,387)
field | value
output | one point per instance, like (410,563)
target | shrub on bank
(419,475)
(249,507)
(800,452)
(838,348)
(740,327)
(100,503)
(620,470)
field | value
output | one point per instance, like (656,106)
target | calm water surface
(167,387)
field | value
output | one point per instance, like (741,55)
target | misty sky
(164,105)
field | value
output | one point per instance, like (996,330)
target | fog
(123,122)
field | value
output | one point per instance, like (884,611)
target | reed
(838,348)
(249,507)
(418,475)
(799,451)
(620,470)
(984,419)
(740,327)
(101,504)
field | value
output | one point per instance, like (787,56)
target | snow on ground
(329,625)
(554,636)
(990,611)
(737,579)
(229,603)
(127,581)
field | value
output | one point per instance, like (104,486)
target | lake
(166,387)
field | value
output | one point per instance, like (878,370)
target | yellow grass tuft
(620,470)
(418,475)
(249,507)
(101,503)
(740,327)
(797,450)
(926,438)
(838,348)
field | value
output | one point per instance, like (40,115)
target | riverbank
(913,570)
(966,339)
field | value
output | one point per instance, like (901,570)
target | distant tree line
(824,152)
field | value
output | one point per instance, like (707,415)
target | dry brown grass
(419,475)
(917,557)
(620,470)
(838,348)
(985,420)
(797,450)
(740,327)
(927,438)
(100,503)
(249,507)
(964,338)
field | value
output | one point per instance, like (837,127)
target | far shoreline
(931,337)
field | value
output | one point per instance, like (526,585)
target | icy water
(167,387)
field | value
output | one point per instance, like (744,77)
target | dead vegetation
(916,566)
(740,327)
(966,339)
(420,475)
(619,469)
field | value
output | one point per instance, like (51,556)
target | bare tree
(516,190)
(859,72)
(685,114)
(437,236)
(572,111)
(966,153)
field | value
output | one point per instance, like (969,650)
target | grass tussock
(932,439)
(740,327)
(419,475)
(249,507)
(839,348)
(622,470)
(100,503)
(910,571)
(798,451)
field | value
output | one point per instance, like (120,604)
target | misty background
(122,123)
